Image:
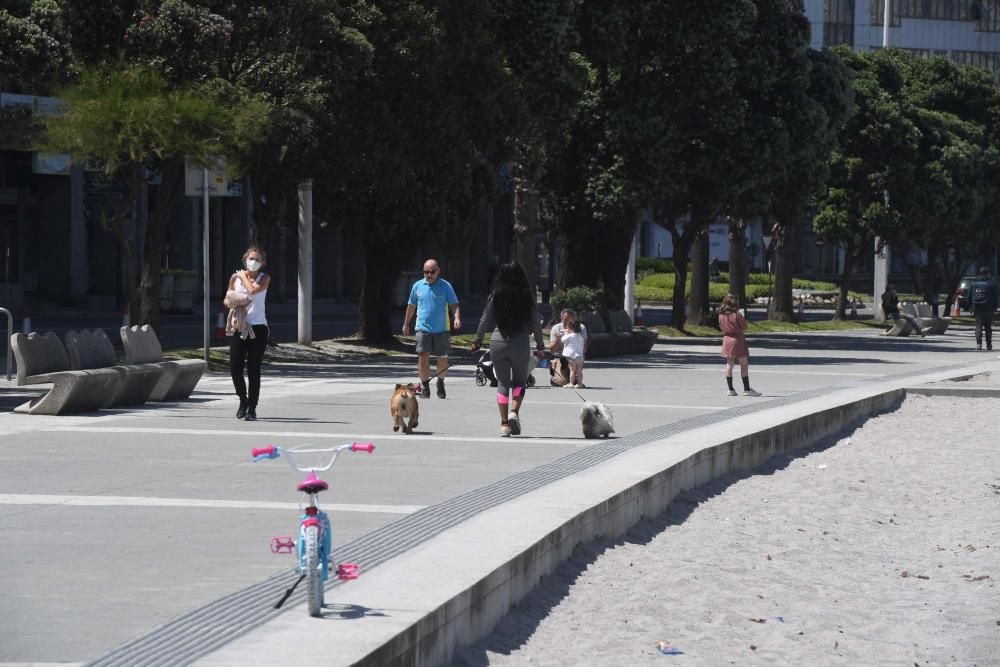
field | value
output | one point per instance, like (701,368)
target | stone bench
(179,377)
(924,313)
(92,349)
(43,359)
(620,338)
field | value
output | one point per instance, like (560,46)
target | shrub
(582,299)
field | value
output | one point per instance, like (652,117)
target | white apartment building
(965,31)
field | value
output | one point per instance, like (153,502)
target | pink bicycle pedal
(282,545)
(348,571)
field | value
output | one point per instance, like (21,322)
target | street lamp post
(767,239)
(886,12)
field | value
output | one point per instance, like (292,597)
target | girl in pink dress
(734,343)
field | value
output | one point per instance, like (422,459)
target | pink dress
(734,343)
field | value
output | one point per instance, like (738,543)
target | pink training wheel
(282,545)
(348,571)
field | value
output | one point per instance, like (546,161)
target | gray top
(488,321)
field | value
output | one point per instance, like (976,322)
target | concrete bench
(931,324)
(179,377)
(43,359)
(620,338)
(92,349)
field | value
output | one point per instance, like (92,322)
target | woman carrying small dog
(512,311)
(734,343)
(247,345)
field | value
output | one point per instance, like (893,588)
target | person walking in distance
(983,298)
(512,315)
(429,301)
(247,349)
(734,343)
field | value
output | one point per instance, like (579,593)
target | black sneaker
(441,393)
(242,412)
(425,389)
(251,415)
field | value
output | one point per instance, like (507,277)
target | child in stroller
(485,373)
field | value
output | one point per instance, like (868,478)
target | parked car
(964,293)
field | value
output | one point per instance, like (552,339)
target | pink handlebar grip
(358,447)
(263,452)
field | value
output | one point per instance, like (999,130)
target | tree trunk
(172,175)
(579,257)
(845,276)
(384,260)
(782,307)
(682,250)
(615,248)
(738,261)
(698,303)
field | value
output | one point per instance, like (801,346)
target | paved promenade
(115,523)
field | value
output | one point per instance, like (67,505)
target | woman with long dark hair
(512,311)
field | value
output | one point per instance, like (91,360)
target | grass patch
(218,357)
(769,326)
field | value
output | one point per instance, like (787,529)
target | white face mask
(253,264)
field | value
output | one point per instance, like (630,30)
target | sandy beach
(882,547)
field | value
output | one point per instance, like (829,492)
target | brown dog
(403,405)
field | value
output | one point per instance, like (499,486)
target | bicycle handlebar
(270,452)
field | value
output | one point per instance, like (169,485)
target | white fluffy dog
(596,420)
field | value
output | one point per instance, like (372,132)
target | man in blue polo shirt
(429,300)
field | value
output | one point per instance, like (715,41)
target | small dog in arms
(403,406)
(596,420)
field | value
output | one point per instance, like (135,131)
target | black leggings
(249,353)
(984,324)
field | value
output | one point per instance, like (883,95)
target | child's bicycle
(315,534)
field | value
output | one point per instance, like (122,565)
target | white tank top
(256,313)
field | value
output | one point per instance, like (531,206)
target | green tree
(813,112)
(34,45)
(949,206)
(877,150)
(128,122)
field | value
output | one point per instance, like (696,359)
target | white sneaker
(731,392)
(581,386)
(504,431)
(751,392)
(515,424)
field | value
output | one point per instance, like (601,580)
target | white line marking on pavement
(757,369)
(42,664)
(639,405)
(302,435)
(150,501)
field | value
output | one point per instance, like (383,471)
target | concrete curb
(449,591)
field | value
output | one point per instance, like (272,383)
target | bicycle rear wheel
(314,575)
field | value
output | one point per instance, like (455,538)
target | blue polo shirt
(432,301)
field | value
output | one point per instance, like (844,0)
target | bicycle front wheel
(314,573)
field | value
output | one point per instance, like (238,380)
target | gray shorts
(437,344)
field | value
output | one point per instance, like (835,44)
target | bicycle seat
(313,484)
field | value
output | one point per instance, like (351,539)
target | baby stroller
(484,370)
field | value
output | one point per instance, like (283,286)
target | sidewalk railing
(10,333)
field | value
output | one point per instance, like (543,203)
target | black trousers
(248,353)
(984,322)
